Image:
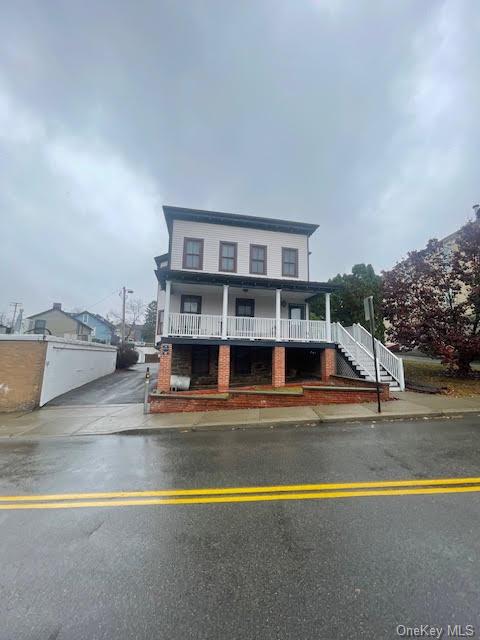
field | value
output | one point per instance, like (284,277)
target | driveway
(121,387)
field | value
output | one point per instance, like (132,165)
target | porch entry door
(296,311)
(296,330)
(244,321)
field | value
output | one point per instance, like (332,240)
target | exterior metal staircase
(355,343)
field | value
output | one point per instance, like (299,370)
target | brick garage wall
(21,374)
(348,381)
(248,401)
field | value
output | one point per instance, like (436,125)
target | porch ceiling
(237,292)
(244,282)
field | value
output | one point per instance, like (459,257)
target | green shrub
(126,356)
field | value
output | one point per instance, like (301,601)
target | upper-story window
(191,304)
(290,262)
(228,257)
(245,307)
(192,253)
(40,326)
(258,259)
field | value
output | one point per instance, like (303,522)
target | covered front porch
(228,312)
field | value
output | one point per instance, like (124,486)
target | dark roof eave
(190,277)
(236,219)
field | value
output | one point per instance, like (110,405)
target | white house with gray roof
(244,282)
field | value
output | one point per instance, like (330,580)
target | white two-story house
(233,303)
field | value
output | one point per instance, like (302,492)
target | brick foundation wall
(237,400)
(21,374)
(278,366)
(165,367)
(223,367)
(328,363)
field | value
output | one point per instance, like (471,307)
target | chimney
(57,306)
(476,208)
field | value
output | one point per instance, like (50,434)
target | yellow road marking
(241,498)
(240,490)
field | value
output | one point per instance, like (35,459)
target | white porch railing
(208,326)
(243,327)
(360,355)
(387,359)
(195,325)
(303,330)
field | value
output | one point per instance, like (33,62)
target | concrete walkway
(124,418)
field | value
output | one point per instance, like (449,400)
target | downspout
(308,258)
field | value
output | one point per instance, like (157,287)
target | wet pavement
(123,386)
(103,418)
(309,569)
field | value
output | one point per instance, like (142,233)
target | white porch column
(224,311)
(328,318)
(307,311)
(166,311)
(277,315)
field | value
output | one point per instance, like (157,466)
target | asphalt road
(124,386)
(283,569)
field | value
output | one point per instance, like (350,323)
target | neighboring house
(450,245)
(450,242)
(233,305)
(102,329)
(133,332)
(4,329)
(59,323)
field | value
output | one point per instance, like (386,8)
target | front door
(296,311)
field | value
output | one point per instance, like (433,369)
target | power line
(103,299)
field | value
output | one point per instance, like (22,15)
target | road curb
(267,424)
(308,422)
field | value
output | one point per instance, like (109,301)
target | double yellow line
(241,494)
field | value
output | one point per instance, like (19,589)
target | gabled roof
(237,220)
(69,315)
(94,315)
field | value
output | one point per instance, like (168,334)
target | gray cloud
(361,116)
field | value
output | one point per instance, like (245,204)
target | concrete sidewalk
(124,418)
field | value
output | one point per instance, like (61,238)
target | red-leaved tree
(432,300)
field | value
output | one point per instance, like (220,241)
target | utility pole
(124,297)
(15,305)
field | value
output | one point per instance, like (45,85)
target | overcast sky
(361,116)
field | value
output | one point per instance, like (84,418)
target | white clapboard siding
(213,234)
(212,300)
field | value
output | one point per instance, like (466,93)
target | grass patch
(435,374)
(288,391)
